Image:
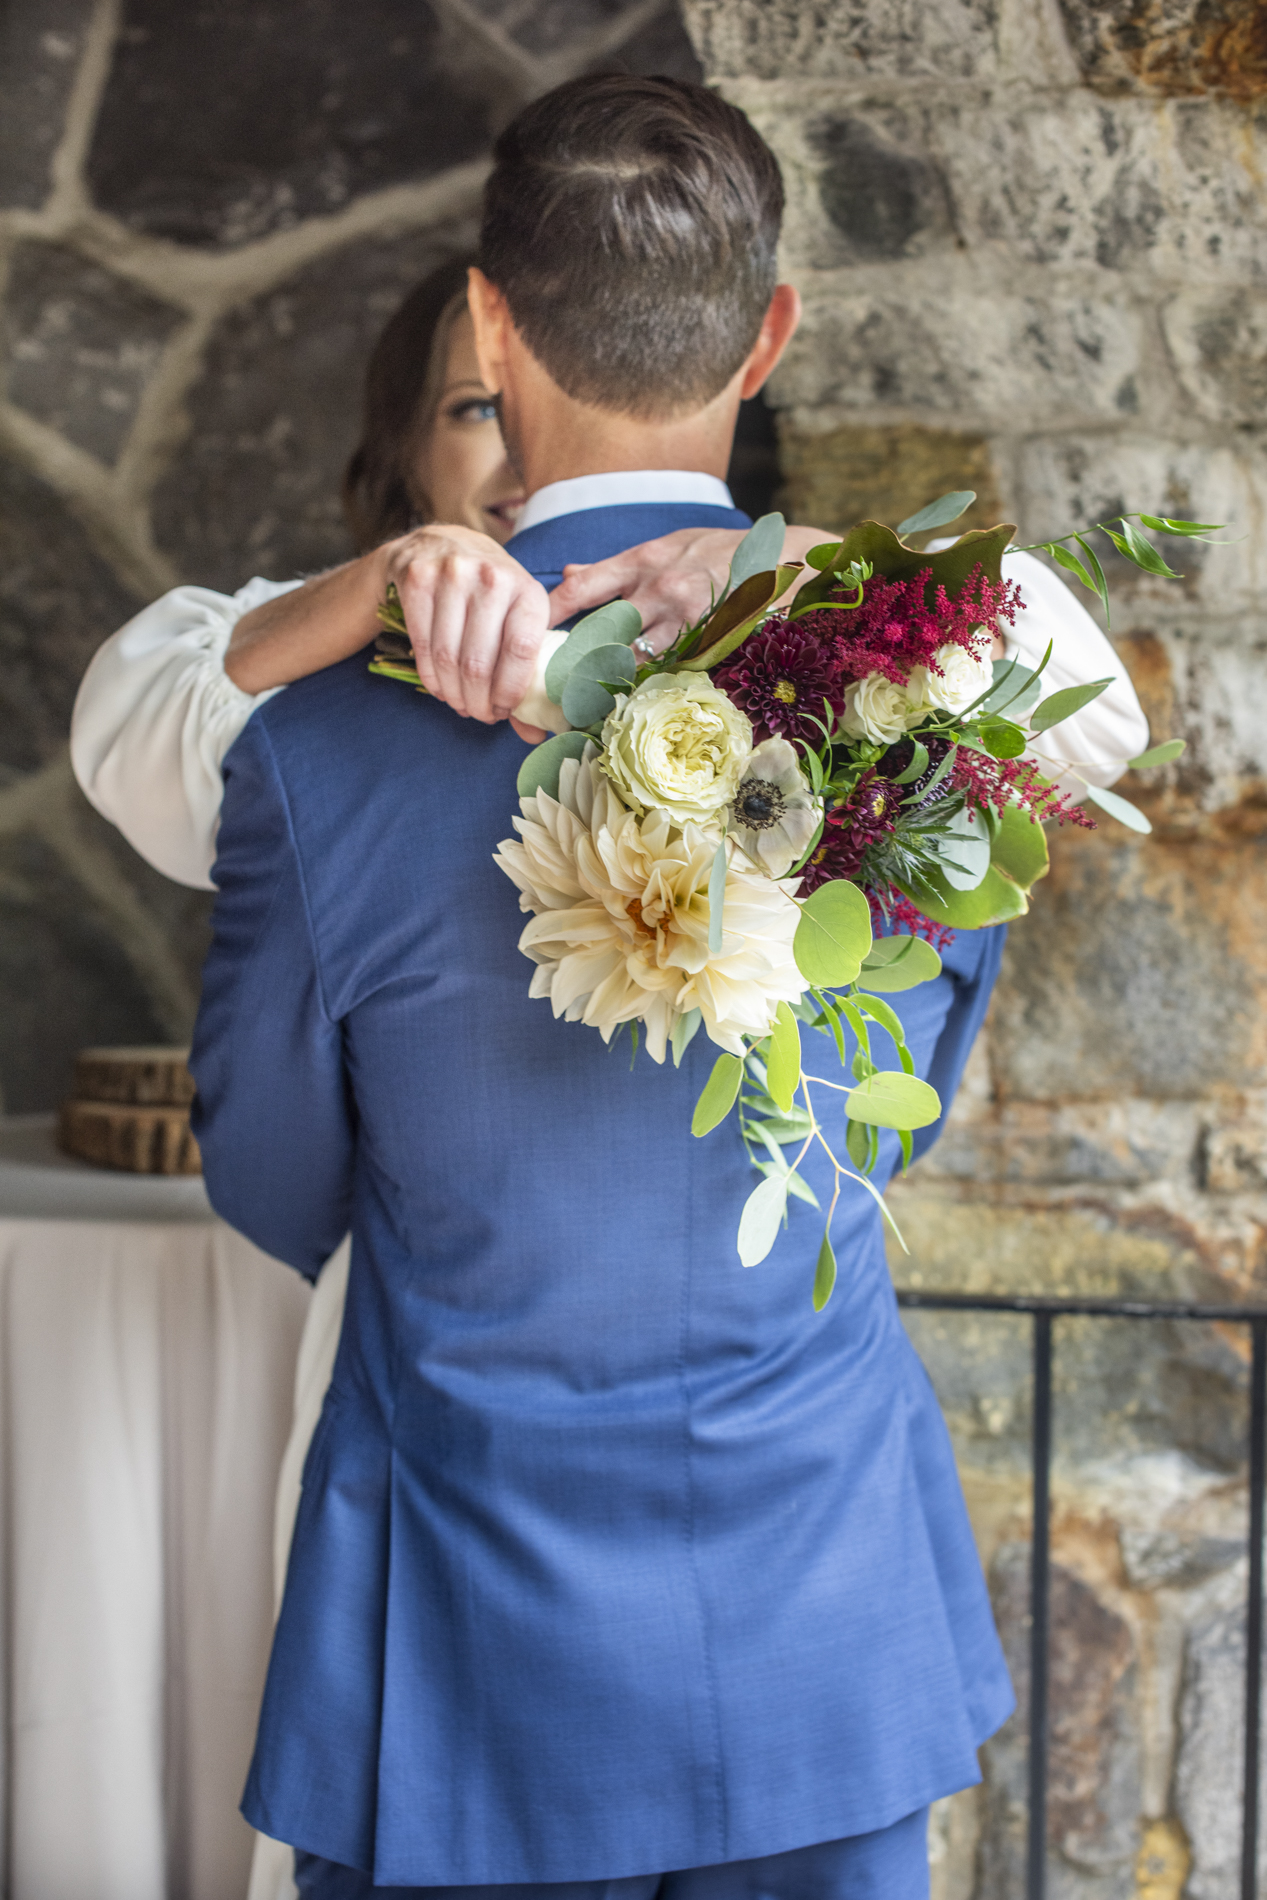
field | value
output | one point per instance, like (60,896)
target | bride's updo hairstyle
(632,226)
(403,384)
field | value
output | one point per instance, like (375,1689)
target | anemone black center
(759,804)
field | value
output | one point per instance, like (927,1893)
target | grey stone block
(58,602)
(82,345)
(222,123)
(1182,46)
(885,197)
(853,40)
(1209,1767)
(1219,344)
(990,356)
(566,29)
(40,45)
(276,413)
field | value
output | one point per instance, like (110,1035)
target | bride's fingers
(523,629)
(449,604)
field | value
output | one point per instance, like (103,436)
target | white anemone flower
(619,929)
(774,814)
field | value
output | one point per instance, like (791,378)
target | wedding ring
(643,645)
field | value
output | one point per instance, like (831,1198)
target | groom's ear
(783,313)
(490,316)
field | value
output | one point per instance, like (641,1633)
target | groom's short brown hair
(632,225)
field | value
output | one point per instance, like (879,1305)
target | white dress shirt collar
(620,490)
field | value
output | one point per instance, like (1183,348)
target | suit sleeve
(274,1115)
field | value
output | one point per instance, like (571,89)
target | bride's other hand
(671,581)
(476,618)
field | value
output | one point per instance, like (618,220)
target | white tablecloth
(147,1365)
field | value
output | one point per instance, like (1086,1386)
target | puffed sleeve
(155,715)
(274,1114)
(1112,729)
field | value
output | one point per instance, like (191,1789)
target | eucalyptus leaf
(962,850)
(833,935)
(899,963)
(759,552)
(1015,688)
(684,1034)
(587,690)
(716,899)
(759,1222)
(891,1099)
(1002,738)
(783,1070)
(540,770)
(858,1143)
(616,624)
(824,1274)
(1062,705)
(887,1018)
(717,1097)
(1120,808)
(1159,754)
(938,513)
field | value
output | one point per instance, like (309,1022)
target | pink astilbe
(895,629)
(1003,782)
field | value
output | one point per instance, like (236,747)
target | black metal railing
(1044,1312)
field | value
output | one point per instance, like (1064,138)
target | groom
(618,1571)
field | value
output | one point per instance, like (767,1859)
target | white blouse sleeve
(155,715)
(1099,739)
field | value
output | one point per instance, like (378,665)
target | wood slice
(122,1135)
(154,1077)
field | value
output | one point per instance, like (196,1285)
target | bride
(431,499)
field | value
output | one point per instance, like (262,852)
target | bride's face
(460,465)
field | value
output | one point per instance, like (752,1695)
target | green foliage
(617,624)
(1064,704)
(540,770)
(899,963)
(760,551)
(684,1032)
(996,900)
(589,691)
(1120,808)
(717,1097)
(783,1070)
(1159,755)
(1018,848)
(759,1223)
(824,1273)
(889,1099)
(730,623)
(937,514)
(833,935)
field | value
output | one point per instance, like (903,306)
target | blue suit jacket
(612,1557)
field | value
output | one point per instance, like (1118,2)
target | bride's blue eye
(476,409)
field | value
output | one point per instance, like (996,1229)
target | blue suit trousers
(891,1864)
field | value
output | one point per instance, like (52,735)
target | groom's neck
(555,438)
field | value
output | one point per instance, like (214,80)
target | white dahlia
(619,929)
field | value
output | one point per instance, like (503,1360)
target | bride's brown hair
(403,383)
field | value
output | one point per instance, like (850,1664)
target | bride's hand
(671,581)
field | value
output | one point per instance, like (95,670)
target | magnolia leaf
(899,963)
(716,899)
(938,513)
(948,567)
(616,624)
(891,1099)
(759,1222)
(996,900)
(824,1274)
(718,1095)
(587,695)
(1119,808)
(1019,847)
(1002,739)
(833,935)
(1159,754)
(823,557)
(683,1033)
(759,551)
(540,770)
(730,623)
(1132,544)
(783,1070)
(1062,705)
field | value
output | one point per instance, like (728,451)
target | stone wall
(1032,241)
(206,215)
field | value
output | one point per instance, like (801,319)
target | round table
(147,1369)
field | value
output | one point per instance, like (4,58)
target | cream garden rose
(963,678)
(878,709)
(678,745)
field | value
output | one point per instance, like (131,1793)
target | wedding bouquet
(780,818)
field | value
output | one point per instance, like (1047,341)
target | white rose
(879,710)
(963,678)
(676,744)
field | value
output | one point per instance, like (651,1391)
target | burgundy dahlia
(780,676)
(869,812)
